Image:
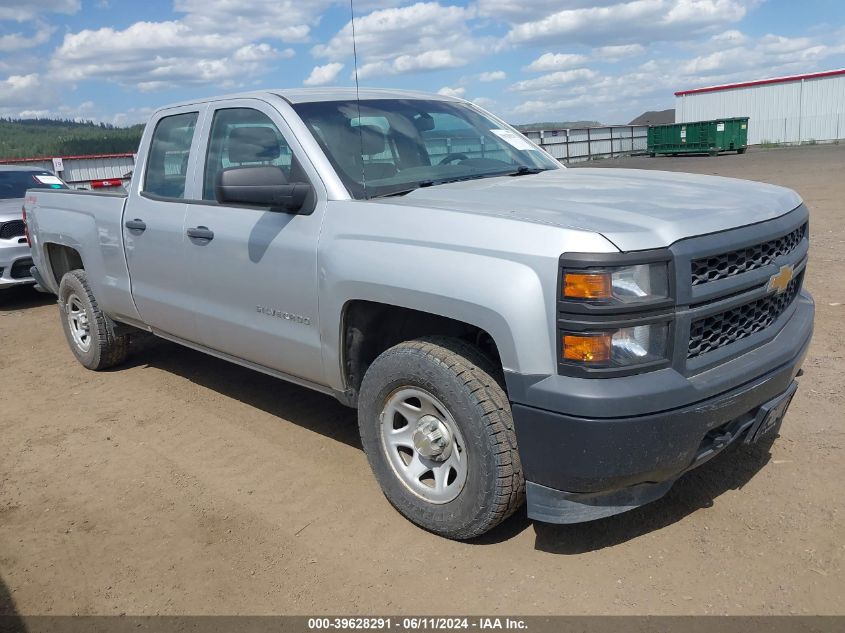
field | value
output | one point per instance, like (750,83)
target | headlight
(642,283)
(624,347)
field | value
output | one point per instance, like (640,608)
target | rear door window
(167,165)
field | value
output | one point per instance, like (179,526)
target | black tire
(741,150)
(104,348)
(464,381)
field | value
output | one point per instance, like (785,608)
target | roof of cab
(310,95)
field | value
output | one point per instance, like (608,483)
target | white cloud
(730,37)
(25,95)
(519,12)
(421,37)
(260,52)
(285,20)
(157,55)
(18,83)
(555,61)
(735,52)
(484,102)
(727,57)
(643,20)
(617,53)
(779,45)
(322,75)
(221,42)
(493,75)
(25,10)
(423,62)
(554,80)
(451,92)
(13,42)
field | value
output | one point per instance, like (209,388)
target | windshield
(13,184)
(385,147)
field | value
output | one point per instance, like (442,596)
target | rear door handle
(201,233)
(136,225)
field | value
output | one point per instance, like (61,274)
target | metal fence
(580,144)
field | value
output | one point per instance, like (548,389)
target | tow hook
(720,441)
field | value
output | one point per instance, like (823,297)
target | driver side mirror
(424,122)
(265,186)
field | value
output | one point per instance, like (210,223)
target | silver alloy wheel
(423,445)
(77,318)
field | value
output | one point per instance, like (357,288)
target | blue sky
(527,60)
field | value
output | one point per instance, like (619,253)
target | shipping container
(699,137)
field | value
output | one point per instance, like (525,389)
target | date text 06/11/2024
(416,623)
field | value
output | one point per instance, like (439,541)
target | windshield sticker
(513,139)
(48,180)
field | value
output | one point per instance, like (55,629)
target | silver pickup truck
(508,329)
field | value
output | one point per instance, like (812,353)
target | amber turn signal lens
(587,285)
(587,349)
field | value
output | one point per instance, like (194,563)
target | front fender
(500,276)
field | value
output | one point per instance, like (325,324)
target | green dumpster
(699,137)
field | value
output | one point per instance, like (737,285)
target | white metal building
(84,172)
(796,109)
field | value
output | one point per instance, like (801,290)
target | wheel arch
(368,328)
(61,259)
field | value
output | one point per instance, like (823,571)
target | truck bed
(92,224)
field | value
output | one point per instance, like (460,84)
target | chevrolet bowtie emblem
(780,282)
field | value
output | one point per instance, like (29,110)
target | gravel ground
(181,484)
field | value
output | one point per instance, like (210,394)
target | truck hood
(10,209)
(635,209)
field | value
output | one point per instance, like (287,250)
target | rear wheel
(89,332)
(437,429)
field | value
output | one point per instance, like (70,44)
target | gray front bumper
(13,252)
(583,467)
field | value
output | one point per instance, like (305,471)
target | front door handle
(136,225)
(201,233)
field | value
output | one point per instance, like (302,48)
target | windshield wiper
(522,170)
(402,192)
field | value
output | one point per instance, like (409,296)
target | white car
(15,258)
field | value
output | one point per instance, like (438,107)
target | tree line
(25,138)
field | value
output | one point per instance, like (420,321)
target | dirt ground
(180,484)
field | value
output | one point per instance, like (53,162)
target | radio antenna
(358,98)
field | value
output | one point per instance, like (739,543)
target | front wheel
(89,332)
(438,432)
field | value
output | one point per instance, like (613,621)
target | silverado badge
(287,316)
(779,282)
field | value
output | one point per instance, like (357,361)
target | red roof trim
(762,82)
(8,161)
